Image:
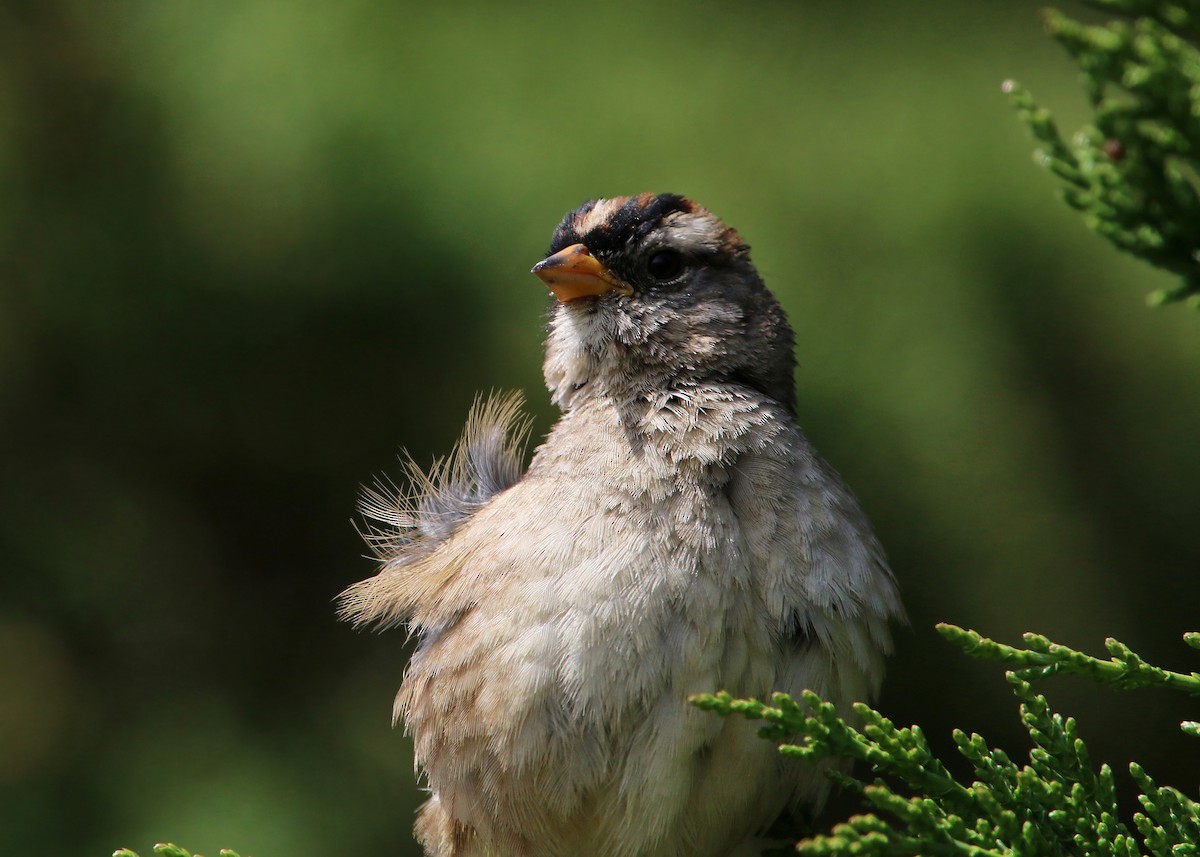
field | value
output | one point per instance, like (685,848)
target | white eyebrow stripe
(690,231)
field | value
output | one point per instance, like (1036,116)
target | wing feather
(405,526)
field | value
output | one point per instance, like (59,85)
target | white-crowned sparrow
(676,533)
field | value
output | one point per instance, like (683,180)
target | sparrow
(675,533)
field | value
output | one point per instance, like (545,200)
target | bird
(674,533)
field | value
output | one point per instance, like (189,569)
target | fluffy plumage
(402,527)
(675,533)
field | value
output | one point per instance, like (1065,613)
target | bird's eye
(665,265)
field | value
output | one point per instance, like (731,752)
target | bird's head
(653,291)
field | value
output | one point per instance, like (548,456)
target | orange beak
(574,273)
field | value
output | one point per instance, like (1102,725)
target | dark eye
(665,264)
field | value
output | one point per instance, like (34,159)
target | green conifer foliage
(167,849)
(1132,173)
(1055,802)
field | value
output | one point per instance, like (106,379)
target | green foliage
(168,849)
(1043,658)
(1132,173)
(1057,802)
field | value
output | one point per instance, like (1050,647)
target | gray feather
(488,458)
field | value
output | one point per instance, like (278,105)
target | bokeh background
(249,250)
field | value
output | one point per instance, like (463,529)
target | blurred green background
(248,250)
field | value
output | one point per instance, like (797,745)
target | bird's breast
(609,590)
